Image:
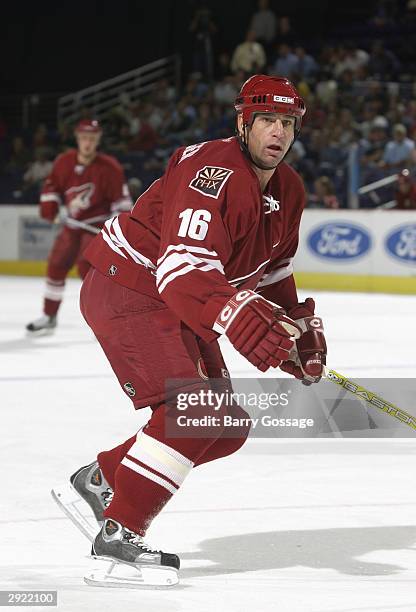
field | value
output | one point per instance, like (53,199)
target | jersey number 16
(194,223)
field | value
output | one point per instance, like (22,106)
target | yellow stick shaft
(370,398)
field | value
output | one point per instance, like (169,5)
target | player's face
(270,137)
(87,143)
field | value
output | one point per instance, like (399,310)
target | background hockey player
(405,195)
(204,252)
(91,186)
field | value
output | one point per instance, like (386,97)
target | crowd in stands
(360,99)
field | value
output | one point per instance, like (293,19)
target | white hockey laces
(107,496)
(134,538)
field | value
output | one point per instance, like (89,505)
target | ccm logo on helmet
(284,99)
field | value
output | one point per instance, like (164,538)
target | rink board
(348,250)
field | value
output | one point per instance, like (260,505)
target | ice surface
(285,525)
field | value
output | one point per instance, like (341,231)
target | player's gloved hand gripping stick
(308,355)
(258,329)
(50,209)
(267,337)
(307,361)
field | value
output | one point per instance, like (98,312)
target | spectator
(372,147)
(225,91)
(296,154)
(135,186)
(350,128)
(398,152)
(286,63)
(371,150)
(410,118)
(203,29)
(326,89)
(19,157)
(40,137)
(347,87)
(223,69)
(306,65)
(65,137)
(206,124)
(376,96)
(249,56)
(146,137)
(324,196)
(383,64)
(121,142)
(332,155)
(350,58)
(263,24)
(195,87)
(38,170)
(285,33)
(165,93)
(405,195)
(181,117)
(371,120)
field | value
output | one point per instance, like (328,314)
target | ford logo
(339,241)
(401,243)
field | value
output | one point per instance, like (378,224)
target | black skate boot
(132,562)
(44,326)
(89,485)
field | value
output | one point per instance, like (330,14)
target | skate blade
(68,499)
(129,576)
(40,332)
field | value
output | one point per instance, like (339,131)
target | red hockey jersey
(89,191)
(203,229)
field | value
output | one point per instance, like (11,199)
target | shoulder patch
(210,180)
(191,150)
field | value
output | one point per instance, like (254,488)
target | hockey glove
(308,355)
(49,210)
(257,329)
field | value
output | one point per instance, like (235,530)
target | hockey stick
(85,224)
(99,218)
(370,397)
(81,225)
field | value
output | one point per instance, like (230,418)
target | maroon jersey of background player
(90,186)
(86,191)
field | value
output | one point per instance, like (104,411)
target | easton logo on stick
(210,180)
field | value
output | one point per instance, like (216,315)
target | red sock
(110,460)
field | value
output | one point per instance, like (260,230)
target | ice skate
(86,485)
(44,326)
(124,560)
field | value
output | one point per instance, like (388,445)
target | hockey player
(92,187)
(207,250)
